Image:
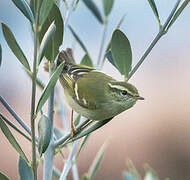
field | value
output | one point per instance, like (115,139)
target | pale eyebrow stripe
(120,88)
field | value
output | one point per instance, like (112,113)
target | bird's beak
(137,97)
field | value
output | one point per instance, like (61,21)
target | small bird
(92,93)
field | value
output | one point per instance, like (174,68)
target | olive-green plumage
(94,94)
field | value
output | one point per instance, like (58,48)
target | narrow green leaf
(56,41)
(0,55)
(177,13)
(45,41)
(44,133)
(121,52)
(3,177)
(96,162)
(48,89)
(96,126)
(108,4)
(25,172)
(94,9)
(77,120)
(154,9)
(11,139)
(13,45)
(78,39)
(14,127)
(86,60)
(25,9)
(84,142)
(45,10)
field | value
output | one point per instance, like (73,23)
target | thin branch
(75,172)
(68,163)
(66,137)
(68,13)
(48,156)
(13,113)
(159,35)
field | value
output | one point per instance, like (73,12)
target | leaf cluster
(47,17)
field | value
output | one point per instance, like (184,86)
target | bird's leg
(73,130)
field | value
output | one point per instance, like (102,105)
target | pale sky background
(156,130)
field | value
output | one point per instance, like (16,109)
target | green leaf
(121,52)
(0,55)
(117,27)
(154,9)
(25,172)
(14,127)
(45,10)
(86,60)
(110,58)
(109,44)
(108,4)
(84,142)
(96,162)
(44,133)
(46,40)
(11,139)
(94,9)
(48,89)
(56,41)
(178,12)
(3,177)
(78,39)
(77,120)
(13,45)
(25,9)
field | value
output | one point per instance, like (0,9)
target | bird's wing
(90,89)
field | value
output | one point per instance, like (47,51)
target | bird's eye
(124,92)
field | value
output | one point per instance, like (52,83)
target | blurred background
(154,131)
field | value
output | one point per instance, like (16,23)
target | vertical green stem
(34,163)
(102,42)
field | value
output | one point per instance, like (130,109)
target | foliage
(48,27)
